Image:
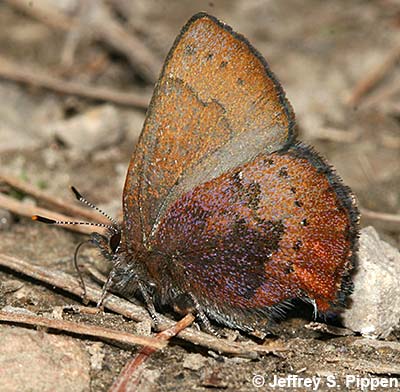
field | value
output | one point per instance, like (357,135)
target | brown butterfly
(224,212)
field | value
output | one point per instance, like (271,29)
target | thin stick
(74,35)
(12,71)
(49,17)
(329,329)
(335,135)
(134,312)
(142,59)
(103,27)
(60,204)
(82,329)
(368,82)
(129,377)
(382,216)
(23,209)
(382,96)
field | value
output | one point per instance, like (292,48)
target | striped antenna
(91,205)
(56,222)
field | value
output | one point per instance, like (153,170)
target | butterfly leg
(149,303)
(145,294)
(203,317)
(315,310)
(105,290)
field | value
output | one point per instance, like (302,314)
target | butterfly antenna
(80,198)
(49,221)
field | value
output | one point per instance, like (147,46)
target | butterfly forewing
(214,87)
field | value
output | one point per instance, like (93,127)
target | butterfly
(225,213)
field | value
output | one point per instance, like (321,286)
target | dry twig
(368,82)
(82,329)
(23,209)
(129,377)
(103,27)
(12,71)
(59,204)
(382,216)
(329,329)
(134,312)
(49,17)
(383,96)
(335,135)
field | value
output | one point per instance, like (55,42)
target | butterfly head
(108,243)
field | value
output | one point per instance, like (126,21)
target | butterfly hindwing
(271,230)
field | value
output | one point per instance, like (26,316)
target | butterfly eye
(114,241)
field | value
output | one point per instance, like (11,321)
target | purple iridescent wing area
(279,227)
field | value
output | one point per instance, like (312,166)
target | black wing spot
(253,193)
(269,162)
(248,193)
(237,178)
(283,172)
(289,269)
(297,245)
(189,50)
